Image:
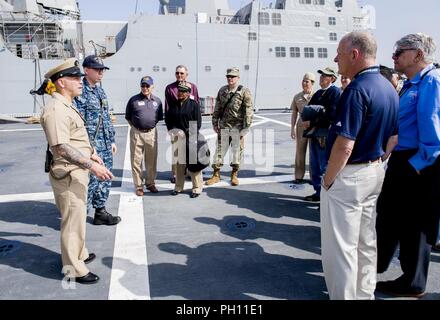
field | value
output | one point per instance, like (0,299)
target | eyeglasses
(179,73)
(231,77)
(145,86)
(398,52)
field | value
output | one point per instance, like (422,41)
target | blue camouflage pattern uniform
(89,105)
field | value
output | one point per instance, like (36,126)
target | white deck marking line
(274,121)
(41,129)
(116,126)
(129,278)
(127,189)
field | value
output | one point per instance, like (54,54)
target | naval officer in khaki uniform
(73,158)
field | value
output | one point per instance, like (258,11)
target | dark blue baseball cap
(147,80)
(94,62)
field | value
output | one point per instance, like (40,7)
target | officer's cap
(309,76)
(183,87)
(94,62)
(147,80)
(234,71)
(69,68)
(328,72)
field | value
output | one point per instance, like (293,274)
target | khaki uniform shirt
(63,124)
(300,100)
(238,113)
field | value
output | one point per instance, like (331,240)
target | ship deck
(259,240)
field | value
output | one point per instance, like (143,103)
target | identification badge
(155,104)
(141,103)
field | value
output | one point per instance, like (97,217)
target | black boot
(103,217)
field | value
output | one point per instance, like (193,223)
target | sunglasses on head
(398,52)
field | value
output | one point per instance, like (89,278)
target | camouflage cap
(328,72)
(69,68)
(183,87)
(234,71)
(309,76)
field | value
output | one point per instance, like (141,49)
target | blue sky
(394,18)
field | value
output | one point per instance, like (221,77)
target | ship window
(208,68)
(263,18)
(280,52)
(164,69)
(295,52)
(276,19)
(139,69)
(317,24)
(132,69)
(156,68)
(305,1)
(246,67)
(320,2)
(252,36)
(333,36)
(322,53)
(309,53)
(332,21)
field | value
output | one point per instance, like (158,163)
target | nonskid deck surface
(259,240)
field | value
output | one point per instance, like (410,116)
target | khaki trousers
(348,234)
(71,199)
(301,150)
(179,165)
(143,147)
(196,178)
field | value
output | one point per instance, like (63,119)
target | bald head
(356,52)
(362,41)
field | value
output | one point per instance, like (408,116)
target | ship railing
(207,105)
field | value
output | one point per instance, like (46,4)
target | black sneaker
(103,217)
(312,198)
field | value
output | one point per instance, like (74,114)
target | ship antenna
(136,7)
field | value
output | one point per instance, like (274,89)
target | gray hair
(181,66)
(421,42)
(363,41)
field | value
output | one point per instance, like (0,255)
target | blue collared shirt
(419,118)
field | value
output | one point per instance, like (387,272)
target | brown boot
(215,177)
(234,179)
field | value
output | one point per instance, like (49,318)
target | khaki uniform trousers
(348,234)
(226,138)
(301,150)
(196,177)
(143,147)
(71,199)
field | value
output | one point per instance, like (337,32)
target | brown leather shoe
(139,192)
(395,288)
(152,188)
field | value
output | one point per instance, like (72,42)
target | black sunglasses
(145,86)
(398,52)
(230,77)
(177,73)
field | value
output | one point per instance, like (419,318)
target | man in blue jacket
(93,105)
(317,128)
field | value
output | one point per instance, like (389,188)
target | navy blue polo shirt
(144,113)
(366,113)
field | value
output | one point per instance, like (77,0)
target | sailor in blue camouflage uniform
(93,105)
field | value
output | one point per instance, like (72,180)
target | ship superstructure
(273,46)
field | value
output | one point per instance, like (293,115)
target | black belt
(366,162)
(144,130)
